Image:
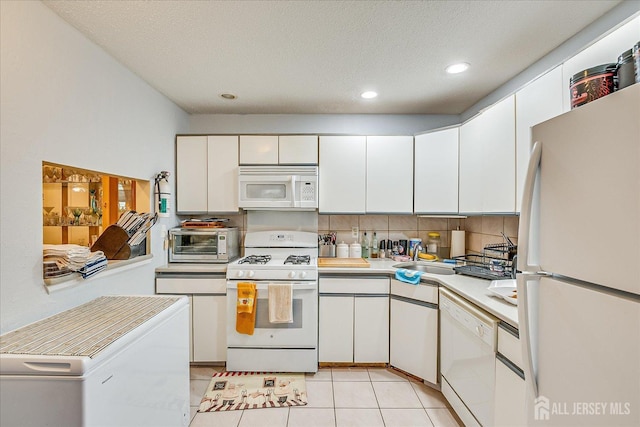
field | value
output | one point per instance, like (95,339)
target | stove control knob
(292,274)
(303,274)
(251,273)
(240,273)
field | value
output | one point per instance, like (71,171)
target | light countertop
(187,267)
(474,290)
(470,288)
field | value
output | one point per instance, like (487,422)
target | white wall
(350,124)
(64,100)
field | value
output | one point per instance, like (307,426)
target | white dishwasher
(468,340)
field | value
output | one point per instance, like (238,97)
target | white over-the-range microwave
(278,187)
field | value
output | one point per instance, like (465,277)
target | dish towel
(280,303)
(246,308)
(408,276)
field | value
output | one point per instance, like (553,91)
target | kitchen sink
(424,267)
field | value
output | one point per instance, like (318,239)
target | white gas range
(276,257)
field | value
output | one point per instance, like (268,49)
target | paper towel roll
(457,243)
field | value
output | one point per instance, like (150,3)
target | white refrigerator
(579,251)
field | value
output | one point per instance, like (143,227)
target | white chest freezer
(114,361)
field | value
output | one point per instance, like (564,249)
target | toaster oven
(203,245)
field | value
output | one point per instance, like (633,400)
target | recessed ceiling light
(457,68)
(369,94)
(228,96)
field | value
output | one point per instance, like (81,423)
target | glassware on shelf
(76,212)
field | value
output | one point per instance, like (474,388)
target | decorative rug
(229,391)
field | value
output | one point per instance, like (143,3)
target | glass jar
(433,242)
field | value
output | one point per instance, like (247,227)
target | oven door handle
(263,285)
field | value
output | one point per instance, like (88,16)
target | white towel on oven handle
(280,303)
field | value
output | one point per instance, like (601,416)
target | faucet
(416,250)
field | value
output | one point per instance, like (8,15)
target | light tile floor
(338,397)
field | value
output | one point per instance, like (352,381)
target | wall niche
(79,204)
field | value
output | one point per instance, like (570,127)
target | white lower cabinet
(353,320)
(335,340)
(207,313)
(209,328)
(414,329)
(510,390)
(371,329)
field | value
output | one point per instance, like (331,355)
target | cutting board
(343,262)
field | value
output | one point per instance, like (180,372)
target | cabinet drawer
(509,346)
(421,292)
(201,285)
(378,285)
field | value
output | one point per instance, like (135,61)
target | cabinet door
(335,329)
(535,103)
(470,173)
(389,174)
(222,181)
(414,339)
(488,161)
(510,397)
(258,149)
(371,329)
(436,172)
(191,174)
(298,149)
(209,328)
(342,174)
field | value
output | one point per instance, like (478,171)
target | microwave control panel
(308,191)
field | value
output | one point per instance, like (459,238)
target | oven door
(302,333)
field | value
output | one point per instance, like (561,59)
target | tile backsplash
(480,230)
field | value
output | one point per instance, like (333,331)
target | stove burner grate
(298,259)
(255,259)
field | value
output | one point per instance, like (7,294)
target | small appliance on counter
(203,244)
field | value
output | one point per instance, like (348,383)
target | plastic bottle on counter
(365,245)
(374,246)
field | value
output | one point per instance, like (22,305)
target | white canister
(342,250)
(355,250)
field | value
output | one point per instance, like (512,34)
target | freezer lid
(589,185)
(69,343)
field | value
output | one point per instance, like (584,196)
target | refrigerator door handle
(524,230)
(524,330)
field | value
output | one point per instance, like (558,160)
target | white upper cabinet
(191,174)
(488,161)
(222,178)
(389,174)
(283,149)
(206,174)
(436,172)
(258,149)
(342,174)
(539,101)
(298,149)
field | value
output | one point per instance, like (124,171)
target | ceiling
(316,57)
